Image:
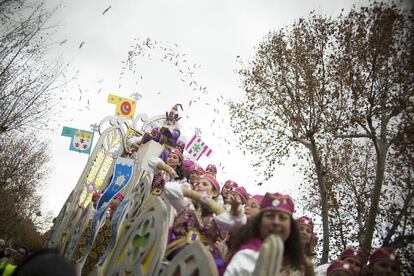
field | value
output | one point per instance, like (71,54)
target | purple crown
(199,169)
(242,192)
(384,253)
(258,198)
(178,153)
(306,221)
(230,183)
(212,180)
(338,265)
(278,202)
(188,166)
(349,252)
(212,168)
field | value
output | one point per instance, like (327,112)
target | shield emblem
(82,141)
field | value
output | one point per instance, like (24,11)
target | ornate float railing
(137,233)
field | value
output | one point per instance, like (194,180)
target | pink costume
(243,261)
(226,220)
(160,176)
(322,270)
(192,224)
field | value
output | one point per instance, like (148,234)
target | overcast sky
(206,36)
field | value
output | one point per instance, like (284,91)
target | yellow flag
(125,108)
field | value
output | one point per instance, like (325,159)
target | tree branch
(352,135)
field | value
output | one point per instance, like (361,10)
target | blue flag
(81,139)
(123,172)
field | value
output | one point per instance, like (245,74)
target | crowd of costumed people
(229,221)
(232,223)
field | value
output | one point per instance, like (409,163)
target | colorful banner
(196,148)
(116,220)
(123,172)
(125,108)
(97,222)
(81,139)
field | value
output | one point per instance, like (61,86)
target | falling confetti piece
(107,9)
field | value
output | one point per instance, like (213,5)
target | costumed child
(353,257)
(234,215)
(306,234)
(252,206)
(166,171)
(239,197)
(211,170)
(188,167)
(384,261)
(195,174)
(275,217)
(232,218)
(227,188)
(195,218)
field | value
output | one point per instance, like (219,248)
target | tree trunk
(381,152)
(323,196)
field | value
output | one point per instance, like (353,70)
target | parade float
(132,239)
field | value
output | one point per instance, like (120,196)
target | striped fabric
(196,148)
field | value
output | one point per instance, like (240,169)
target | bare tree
(8,8)
(27,83)
(23,169)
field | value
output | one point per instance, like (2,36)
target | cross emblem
(196,148)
